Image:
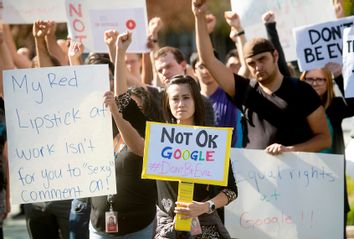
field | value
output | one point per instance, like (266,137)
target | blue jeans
(146,232)
(79,218)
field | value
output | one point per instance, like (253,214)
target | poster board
(59,133)
(293,195)
(348,61)
(288,14)
(89,19)
(317,45)
(27,12)
(187,153)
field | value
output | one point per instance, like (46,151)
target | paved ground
(16,229)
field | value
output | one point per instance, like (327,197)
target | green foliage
(350,215)
(348,7)
(350,186)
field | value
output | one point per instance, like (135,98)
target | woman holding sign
(191,112)
(182,104)
(129,213)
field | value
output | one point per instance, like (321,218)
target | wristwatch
(212,206)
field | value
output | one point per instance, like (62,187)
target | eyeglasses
(313,80)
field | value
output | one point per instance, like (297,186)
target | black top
(135,200)
(273,36)
(276,118)
(338,110)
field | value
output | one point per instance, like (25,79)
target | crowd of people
(254,91)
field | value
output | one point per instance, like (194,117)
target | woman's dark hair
(100,58)
(199,113)
(150,108)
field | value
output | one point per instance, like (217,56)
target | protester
(337,109)
(46,219)
(136,198)
(226,113)
(80,207)
(182,104)
(237,35)
(169,67)
(268,19)
(280,114)
(169,61)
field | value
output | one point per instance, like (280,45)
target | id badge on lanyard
(111,217)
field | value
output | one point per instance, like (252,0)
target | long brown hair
(328,96)
(149,107)
(199,113)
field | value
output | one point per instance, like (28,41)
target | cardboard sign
(187,153)
(27,12)
(89,19)
(293,195)
(348,61)
(288,14)
(319,44)
(59,133)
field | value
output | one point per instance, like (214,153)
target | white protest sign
(288,14)
(293,195)
(187,153)
(319,44)
(348,62)
(27,12)
(89,19)
(59,133)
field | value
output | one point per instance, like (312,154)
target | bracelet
(240,33)
(231,195)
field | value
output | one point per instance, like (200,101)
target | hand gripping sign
(187,154)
